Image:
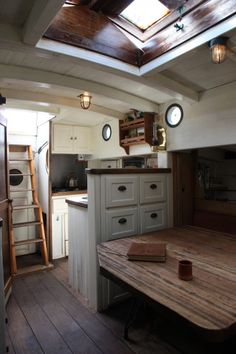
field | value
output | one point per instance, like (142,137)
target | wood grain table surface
(209,300)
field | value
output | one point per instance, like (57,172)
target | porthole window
(106,132)
(15,180)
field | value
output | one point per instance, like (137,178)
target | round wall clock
(106,132)
(174,115)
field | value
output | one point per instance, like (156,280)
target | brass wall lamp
(85,100)
(218,49)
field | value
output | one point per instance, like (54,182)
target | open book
(147,251)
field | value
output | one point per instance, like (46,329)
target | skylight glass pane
(144,13)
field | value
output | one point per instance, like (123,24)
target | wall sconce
(218,49)
(85,100)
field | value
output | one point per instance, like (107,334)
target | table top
(209,300)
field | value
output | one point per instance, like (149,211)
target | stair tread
(32,269)
(16,160)
(27,158)
(21,190)
(28,206)
(20,174)
(25,242)
(27,223)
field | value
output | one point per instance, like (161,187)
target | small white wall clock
(174,115)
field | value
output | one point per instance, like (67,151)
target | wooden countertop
(208,301)
(65,193)
(79,201)
(111,171)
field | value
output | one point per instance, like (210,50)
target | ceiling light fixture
(85,100)
(218,49)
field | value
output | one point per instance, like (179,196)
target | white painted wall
(111,148)
(210,122)
(43,179)
(22,127)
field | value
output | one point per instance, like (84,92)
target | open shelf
(128,135)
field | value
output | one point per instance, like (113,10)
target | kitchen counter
(80,200)
(112,171)
(78,243)
(64,193)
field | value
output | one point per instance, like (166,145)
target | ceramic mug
(185,270)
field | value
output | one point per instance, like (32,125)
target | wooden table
(208,301)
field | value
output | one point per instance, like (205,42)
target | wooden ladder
(38,222)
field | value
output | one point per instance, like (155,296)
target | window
(144,13)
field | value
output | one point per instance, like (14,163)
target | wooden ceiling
(95,25)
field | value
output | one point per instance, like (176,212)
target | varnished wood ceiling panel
(87,29)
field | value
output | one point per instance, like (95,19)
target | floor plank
(102,336)
(46,316)
(44,330)
(21,335)
(9,346)
(76,339)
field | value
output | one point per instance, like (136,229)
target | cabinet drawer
(121,223)
(121,191)
(152,189)
(153,217)
(59,206)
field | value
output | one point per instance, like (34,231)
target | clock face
(174,115)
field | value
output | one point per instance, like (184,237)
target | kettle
(72,181)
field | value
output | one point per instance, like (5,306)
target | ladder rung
(19,207)
(21,190)
(28,223)
(20,174)
(18,148)
(25,242)
(22,160)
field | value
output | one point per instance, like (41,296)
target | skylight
(144,13)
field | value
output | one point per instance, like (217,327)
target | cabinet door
(153,217)
(66,238)
(58,242)
(121,191)
(152,188)
(121,223)
(63,140)
(82,140)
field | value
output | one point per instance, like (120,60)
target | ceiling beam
(40,76)
(117,67)
(42,100)
(39,19)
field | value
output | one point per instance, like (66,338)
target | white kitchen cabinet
(121,222)
(58,242)
(152,188)
(121,191)
(59,227)
(71,139)
(123,205)
(153,217)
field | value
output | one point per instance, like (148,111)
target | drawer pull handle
(154,215)
(121,188)
(153,186)
(122,221)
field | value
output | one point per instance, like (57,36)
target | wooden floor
(46,316)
